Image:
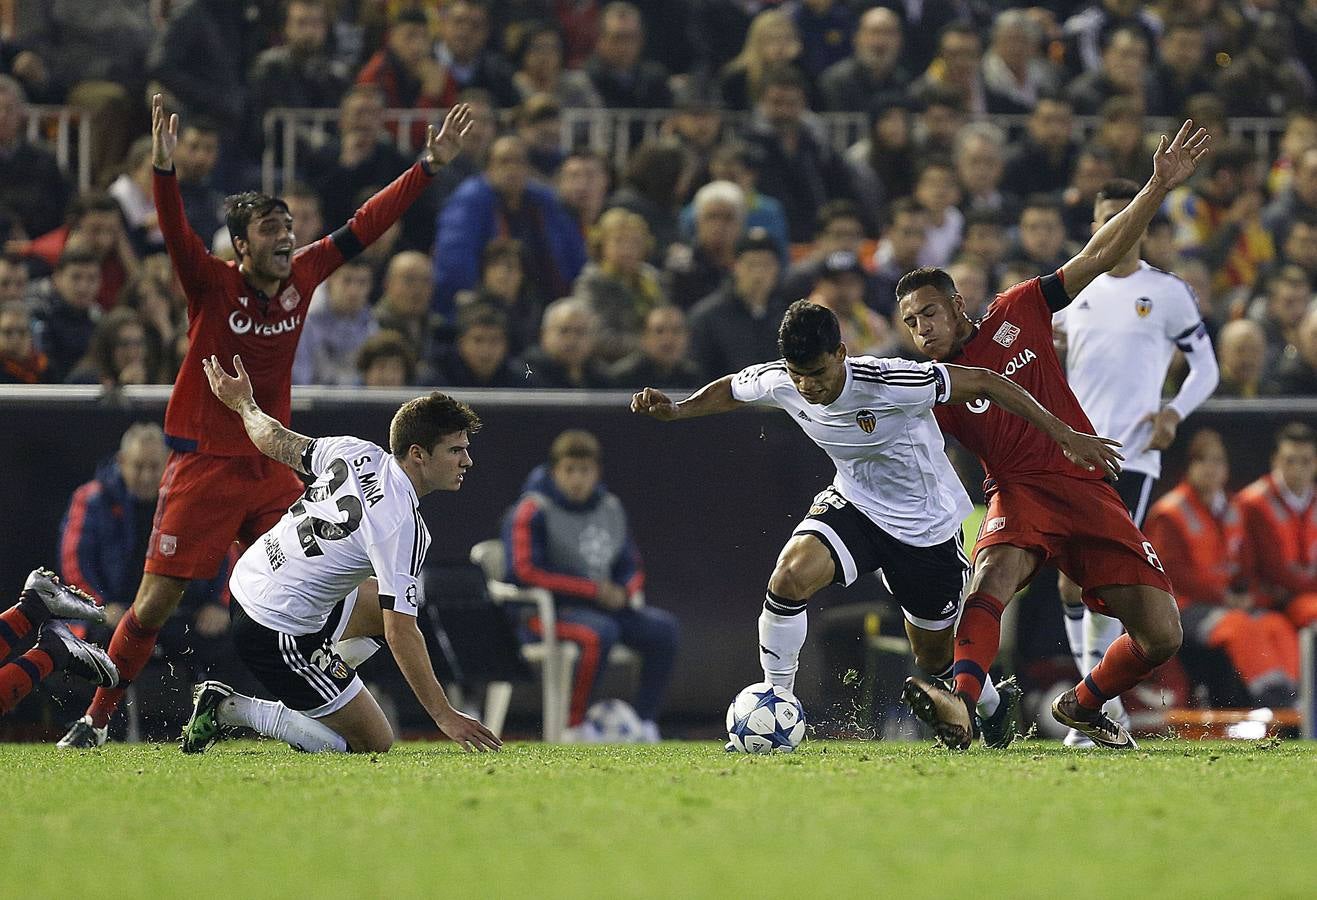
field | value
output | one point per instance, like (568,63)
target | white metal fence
(67,130)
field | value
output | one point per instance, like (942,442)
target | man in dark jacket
(736,325)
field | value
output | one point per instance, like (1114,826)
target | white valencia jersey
(1121,334)
(360,517)
(883,439)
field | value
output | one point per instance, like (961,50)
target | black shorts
(927,582)
(301,670)
(1135,489)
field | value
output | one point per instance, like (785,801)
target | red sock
(1124,666)
(18,678)
(130,648)
(977,640)
(17,622)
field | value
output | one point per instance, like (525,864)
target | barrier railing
(64,129)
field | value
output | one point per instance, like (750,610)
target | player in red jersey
(1041,507)
(217,488)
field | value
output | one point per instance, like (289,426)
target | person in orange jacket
(1197,530)
(1279,520)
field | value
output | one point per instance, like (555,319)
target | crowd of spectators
(534,262)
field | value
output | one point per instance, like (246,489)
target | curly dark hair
(808,331)
(424,421)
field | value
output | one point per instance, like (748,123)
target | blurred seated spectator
(937,191)
(1181,69)
(1264,77)
(1085,31)
(696,125)
(406,70)
(13,278)
(697,269)
(899,250)
(1042,163)
(882,167)
(873,68)
(840,230)
(1041,235)
(660,360)
(1218,217)
(471,161)
(1299,200)
(1279,524)
(1196,529)
(103,542)
(67,316)
(1298,248)
(301,72)
(31,183)
(132,191)
(972,283)
(1296,376)
(538,122)
(1093,168)
(1015,71)
(1299,136)
(980,159)
(157,295)
(118,353)
(795,165)
(503,202)
(956,69)
(621,76)
(335,331)
(1123,72)
(1241,353)
(653,186)
(20,361)
(463,50)
(1158,246)
(582,184)
(985,242)
(503,287)
(840,288)
(823,26)
(195,158)
(569,534)
(479,358)
(939,116)
(771,41)
(1287,297)
(1120,134)
(386,361)
(406,309)
(95,222)
(619,286)
(564,357)
(736,326)
(735,162)
(539,59)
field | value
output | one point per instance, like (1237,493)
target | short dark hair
(655,169)
(386,344)
(574,444)
(1046,202)
(808,331)
(989,217)
(925,276)
(1117,189)
(77,253)
(1296,433)
(905,206)
(240,209)
(90,202)
(424,421)
(200,123)
(838,209)
(783,75)
(499,249)
(481,315)
(1232,156)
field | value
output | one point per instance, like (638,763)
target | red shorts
(1079,525)
(208,502)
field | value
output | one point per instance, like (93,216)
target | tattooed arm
(265,431)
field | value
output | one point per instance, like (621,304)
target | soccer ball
(764,718)
(614,722)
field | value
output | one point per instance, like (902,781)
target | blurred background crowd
(650,183)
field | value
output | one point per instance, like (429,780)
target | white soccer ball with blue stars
(614,722)
(765,717)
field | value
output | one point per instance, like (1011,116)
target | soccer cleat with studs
(85,660)
(950,715)
(999,729)
(203,728)
(63,600)
(83,735)
(1094,723)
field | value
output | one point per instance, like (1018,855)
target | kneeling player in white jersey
(1122,331)
(296,594)
(896,505)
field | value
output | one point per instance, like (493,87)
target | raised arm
(265,431)
(1172,164)
(715,397)
(187,251)
(1086,450)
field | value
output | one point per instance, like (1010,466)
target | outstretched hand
(164,134)
(231,391)
(443,145)
(1177,158)
(467,732)
(655,403)
(1091,452)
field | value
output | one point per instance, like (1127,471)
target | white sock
(1100,632)
(272,719)
(357,650)
(1075,617)
(989,699)
(782,628)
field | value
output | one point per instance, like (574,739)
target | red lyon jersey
(228,316)
(1014,339)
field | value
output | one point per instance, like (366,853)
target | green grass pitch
(1174,819)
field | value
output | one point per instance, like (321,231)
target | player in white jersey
(296,597)
(1122,331)
(896,505)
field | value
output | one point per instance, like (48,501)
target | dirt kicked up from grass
(1174,819)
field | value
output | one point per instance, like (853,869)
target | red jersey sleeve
(195,266)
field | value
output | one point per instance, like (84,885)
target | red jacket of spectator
(1279,544)
(402,89)
(50,245)
(1200,549)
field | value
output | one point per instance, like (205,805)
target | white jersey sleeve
(1183,318)
(396,558)
(914,387)
(755,384)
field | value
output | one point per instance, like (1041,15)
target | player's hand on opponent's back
(467,732)
(231,391)
(164,134)
(1091,452)
(442,146)
(1176,159)
(655,403)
